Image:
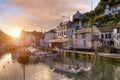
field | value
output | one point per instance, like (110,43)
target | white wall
(42,42)
(116,9)
(69,34)
(86,42)
(79,42)
(62,31)
(106,40)
(29,39)
(96,31)
(110,10)
(107,11)
(116,38)
(49,36)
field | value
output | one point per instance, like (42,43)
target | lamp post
(23,66)
(92,41)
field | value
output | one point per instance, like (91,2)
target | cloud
(38,14)
(48,13)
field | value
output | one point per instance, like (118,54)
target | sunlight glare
(16,33)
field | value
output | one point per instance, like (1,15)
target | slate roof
(84,30)
(108,28)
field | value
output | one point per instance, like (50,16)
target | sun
(16,33)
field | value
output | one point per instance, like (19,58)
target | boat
(71,69)
(54,53)
(38,52)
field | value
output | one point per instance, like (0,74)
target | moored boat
(71,69)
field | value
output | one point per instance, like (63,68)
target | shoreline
(91,55)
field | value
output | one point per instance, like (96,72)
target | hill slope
(97,15)
(4,37)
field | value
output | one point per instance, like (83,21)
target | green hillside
(97,15)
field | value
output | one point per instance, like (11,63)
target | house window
(60,33)
(102,36)
(84,43)
(76,36)
(109,35)
(118,30)
(83,35)
(64,27)
(64,33)
(118,37)
(106,36)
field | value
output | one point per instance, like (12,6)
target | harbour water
(42,69)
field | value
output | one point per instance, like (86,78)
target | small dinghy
(71,69)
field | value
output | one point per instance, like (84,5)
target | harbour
(42,69)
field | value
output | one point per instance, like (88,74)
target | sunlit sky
(38,14)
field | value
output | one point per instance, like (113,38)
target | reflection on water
(5,58)
(41,69)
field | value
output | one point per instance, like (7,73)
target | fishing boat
(71,69)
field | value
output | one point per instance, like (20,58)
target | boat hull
(72,71)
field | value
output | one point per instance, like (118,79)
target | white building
(112,9)
(116,33)
(51,34)
(86,38)
(106,34)
(70,32)
(31,38)
(65,31)
(110,35)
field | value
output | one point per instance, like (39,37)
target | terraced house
(65,31)
(31,38)
(86,38)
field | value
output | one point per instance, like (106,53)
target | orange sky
(38,14)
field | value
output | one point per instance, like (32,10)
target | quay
(100,56)
(114,57)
